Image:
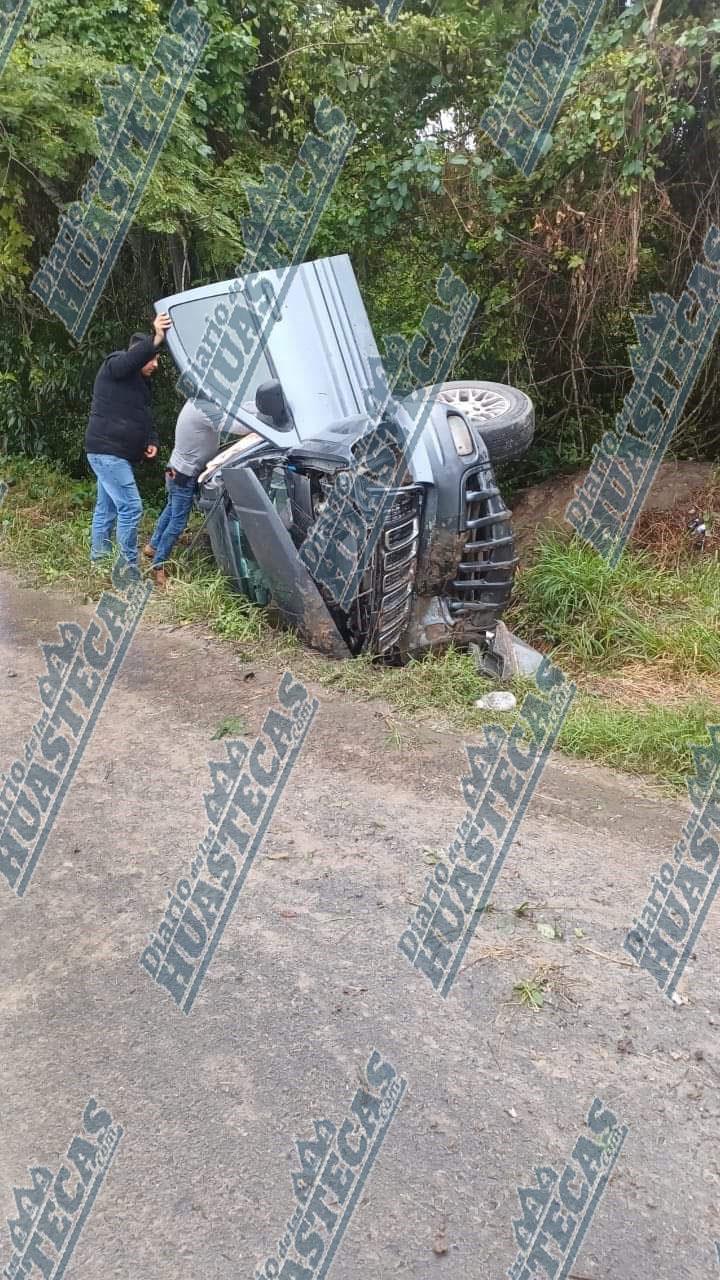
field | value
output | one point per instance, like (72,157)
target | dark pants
(174,518)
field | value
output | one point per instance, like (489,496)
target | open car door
(305,327)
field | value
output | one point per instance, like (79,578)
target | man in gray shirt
(197,438)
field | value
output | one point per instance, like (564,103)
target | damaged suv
(439,567)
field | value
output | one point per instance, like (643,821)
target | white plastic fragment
(497,701)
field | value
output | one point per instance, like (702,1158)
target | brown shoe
(160,579)
(149,551)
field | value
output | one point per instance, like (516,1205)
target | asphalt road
(472,1092)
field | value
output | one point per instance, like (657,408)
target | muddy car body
(295,382)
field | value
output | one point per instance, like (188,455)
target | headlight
(462,437)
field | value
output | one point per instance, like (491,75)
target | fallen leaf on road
(546,930)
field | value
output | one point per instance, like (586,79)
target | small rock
(497,701)
(440,1242)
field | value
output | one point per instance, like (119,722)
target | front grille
(482,587)
(394,569)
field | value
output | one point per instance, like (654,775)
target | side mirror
(271,404)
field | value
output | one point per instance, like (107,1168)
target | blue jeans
(118,501)
(173,520)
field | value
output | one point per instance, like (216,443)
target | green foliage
(617,208)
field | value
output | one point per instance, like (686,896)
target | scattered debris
(527,659)
(499,657)
(505,656)
(697,530)
(440,1241)
(552,931)
(688,527)
(497,701)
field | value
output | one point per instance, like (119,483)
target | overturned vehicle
(365,513)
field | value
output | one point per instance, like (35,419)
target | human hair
(137,337)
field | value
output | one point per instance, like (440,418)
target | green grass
(569,602)
(45,535)
(531,992)
(652,741)
(595,616)
(231,726)
(202,595)
(444,684)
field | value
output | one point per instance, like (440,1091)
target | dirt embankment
(681,491)
(679,488)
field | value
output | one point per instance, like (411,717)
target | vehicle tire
(503,416)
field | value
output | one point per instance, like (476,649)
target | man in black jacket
(120,434)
